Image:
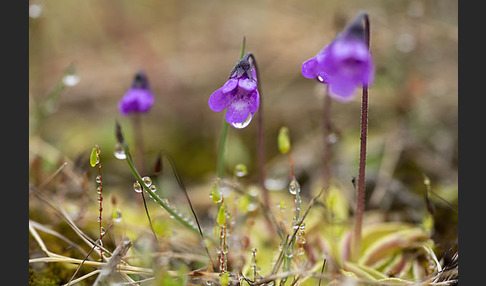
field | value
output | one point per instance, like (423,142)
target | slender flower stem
(100,200)
(362,161)
(261,145)
(326,152)
(139,146)
(157,199)
(224,130)
(137,129)
(222,147)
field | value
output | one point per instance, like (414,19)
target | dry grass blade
(50,231)
(109,269)
(63,215)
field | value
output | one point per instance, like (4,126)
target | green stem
(156,198)
(222,147)
(224,130)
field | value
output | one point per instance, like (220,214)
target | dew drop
(137,187)
(98,190)
(119,152)
(103,231)
(241,170)
(243,124)
(35,10)
(70,79)
(98,179)
(251,207)
(153,188)
(117,216)
(165,201)
(294,187)
(147,181)
(300,251)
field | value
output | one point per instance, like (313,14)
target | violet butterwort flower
(239,94)
(138,98)
(344,64)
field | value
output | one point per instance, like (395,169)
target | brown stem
(360,201)
(100,200)
(261,149)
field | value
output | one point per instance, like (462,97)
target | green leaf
(283,140)
(94,159)
(221,218)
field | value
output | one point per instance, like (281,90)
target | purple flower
(138,98)
(344,64)
(239,94)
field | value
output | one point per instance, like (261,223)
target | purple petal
(219,100)
(254,101)
(247,84)
(230,85)
(345,49)
(136,100)
(238,111)
(369,74)
(310,68)
(342,89)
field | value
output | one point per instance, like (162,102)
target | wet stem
(100,200)
(155,197)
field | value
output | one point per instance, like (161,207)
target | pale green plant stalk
(285,147)
(224,131)
(153,195)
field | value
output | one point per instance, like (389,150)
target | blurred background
(187,49)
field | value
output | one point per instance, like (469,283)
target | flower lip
(138,98)
(345,63)
(239,94)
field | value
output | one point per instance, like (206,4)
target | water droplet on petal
(119,152)
(147,181)
(243,124)
(137,187)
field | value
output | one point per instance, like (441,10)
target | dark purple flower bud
(138,98)
(344,64)
(239,94)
